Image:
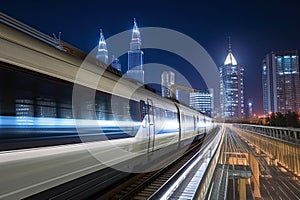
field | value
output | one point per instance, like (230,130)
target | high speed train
(63,117)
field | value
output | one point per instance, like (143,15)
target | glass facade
(281,82)
(135,60)
(135,56)
(203,101)
(231,88)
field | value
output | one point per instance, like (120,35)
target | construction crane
(180,87)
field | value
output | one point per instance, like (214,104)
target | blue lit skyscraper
(203,101)
(281,83)
(135,56)
(102,53)
(231,88)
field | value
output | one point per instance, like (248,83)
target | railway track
(275,182)
(153,184)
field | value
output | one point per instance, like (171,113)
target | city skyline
(256,29)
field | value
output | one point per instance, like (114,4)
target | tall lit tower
(135,56)
(281,82)
(102,53)
(231,87)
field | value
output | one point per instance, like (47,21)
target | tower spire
(102,53)
(230,60)
(136,38)
(229,44)
(135,56)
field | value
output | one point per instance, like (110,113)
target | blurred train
(53,122)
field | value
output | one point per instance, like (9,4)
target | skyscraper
(167,80)
(102,53)
(231,87)
(203,101)
(280,82)
(135,56)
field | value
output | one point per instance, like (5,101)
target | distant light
(250,104)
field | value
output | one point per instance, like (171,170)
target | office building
(281,82)
(231,88)
(203,101)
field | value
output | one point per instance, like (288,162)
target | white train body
(40,151)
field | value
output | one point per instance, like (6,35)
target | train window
(24,108)
(28,94)
(103,106)
(135,111)
(65,110)
(31,94)
(143,108)
(45,107)
(195,122)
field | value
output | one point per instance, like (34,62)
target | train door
(151,125)
(195,124)
(198,122)
(204,121)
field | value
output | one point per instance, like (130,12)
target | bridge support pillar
(255,177)
(298,162)
(242,189)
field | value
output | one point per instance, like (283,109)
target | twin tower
(135,55)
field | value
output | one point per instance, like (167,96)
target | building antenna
(229,44)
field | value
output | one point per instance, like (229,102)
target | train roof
(53,41)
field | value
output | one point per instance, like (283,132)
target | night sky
(256,27)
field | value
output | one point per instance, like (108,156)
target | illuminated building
(167,80)
(231,88)
(203,101)
(102,54)
(135,56)
(280,82)
(116,64)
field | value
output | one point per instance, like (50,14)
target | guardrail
(287,134)
(285,153)
(195,177)
(204,186)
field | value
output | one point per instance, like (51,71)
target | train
(63,117)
